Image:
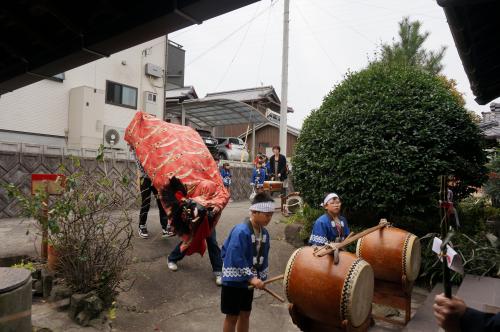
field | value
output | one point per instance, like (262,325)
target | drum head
(357,293)
(288,271)
(412,257)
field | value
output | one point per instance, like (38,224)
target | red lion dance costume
(167,150)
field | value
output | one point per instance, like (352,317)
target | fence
(19,160)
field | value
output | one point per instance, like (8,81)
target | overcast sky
(242,49)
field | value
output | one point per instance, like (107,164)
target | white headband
(263,207)
(329,197)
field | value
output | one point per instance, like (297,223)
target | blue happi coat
(238,257)
(258,176)
(226,176)
(324,232)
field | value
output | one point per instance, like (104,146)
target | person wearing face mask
(331,226)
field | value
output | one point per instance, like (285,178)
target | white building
(79,107)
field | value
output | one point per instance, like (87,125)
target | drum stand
(284,199)
(394,295)
(307,324)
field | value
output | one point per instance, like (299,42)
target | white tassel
(253,238)
(261,260)
(254,260)
(264,238)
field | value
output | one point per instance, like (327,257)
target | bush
(306,217)
(381,138)
(492,186)
(479,256)
(90,229)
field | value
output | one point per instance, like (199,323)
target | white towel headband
(263,207)
(329,197)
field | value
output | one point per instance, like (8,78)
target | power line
(390,9)
(237,51)
(264,43)
(317,41)
(324,10)
(229,36)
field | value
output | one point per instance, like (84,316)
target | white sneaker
(172,266)
(218,279)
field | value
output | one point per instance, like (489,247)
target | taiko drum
(392,252)
(273,186)
(327,292)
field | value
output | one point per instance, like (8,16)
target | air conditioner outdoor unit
(113,138)
(153,70)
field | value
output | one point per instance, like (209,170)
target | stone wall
(19,160)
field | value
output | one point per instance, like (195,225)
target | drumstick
(281,276)
(333,246)
(274,294)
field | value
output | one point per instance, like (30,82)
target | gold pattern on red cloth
(166,150)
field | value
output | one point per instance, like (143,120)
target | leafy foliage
(28,266)
(409,50)
(90,227)
(492,186)
(380,140)
(480,256)
(306,216)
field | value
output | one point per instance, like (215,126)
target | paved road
(183,301)
(188,299)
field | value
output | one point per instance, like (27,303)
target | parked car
(232,148)
(210,142)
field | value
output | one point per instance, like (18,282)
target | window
(121,95)
(151,97)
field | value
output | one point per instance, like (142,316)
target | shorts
(235,299)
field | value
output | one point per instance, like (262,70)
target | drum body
(329,293)
(273,186)
(392,252)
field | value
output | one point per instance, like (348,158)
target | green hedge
(381,138)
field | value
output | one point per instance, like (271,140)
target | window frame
(108,82)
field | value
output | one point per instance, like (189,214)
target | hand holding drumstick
(259,284)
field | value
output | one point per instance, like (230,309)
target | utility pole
(284,80)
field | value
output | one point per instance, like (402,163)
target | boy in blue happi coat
(258,176)
(331,226)
(245,255)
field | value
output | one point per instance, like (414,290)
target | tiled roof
(180,93)
(262,92)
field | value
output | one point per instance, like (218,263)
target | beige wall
(43,106)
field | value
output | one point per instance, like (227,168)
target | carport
(218,112)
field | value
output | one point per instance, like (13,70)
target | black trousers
(146,189)
(213,253)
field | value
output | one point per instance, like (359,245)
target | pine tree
(409,49)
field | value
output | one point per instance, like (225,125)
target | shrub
(90,228)
(492,186)
(306,217)
(23,265)
(381,138)
(479,256)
